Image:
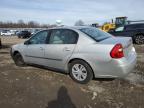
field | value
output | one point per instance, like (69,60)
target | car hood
(18,45)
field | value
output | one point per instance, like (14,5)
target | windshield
(96,34)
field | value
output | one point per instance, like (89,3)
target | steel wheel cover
(79,72)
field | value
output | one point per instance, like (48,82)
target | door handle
(66,49)
(41,48)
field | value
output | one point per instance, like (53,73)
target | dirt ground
(32,87)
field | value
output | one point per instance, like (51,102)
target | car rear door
(61,45)
(35,49)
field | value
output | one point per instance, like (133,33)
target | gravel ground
(32,87)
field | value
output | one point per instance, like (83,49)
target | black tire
(89,72)
(139,39)
(19,60)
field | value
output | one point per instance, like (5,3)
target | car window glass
(5,31)
(39,38)
(63,37)
(96,34)
(119,29)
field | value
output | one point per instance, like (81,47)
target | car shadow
(48,68)
(65,73)
(63,100)
(103,79)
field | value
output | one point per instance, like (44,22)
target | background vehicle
(34,31)
(83,52)
(119,21)
(6,33)
(107,26)
(136,31)
(24,34)
(13,32)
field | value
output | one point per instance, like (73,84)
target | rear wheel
(80,71)
(139,39)
(19,60)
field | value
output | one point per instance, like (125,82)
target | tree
(32,24)
(21,24)
(79,23)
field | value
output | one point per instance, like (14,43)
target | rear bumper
(127,66)
(118,68)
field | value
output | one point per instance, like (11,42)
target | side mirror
(27,42)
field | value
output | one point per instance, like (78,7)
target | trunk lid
(125,41)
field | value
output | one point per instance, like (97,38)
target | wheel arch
(73,59)
(15,52)
(140,33)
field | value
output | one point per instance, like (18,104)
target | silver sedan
(83,52)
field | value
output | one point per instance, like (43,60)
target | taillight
(117,51)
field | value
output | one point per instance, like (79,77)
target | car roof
(71,27)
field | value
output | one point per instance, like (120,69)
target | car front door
(35,48)
(61,46)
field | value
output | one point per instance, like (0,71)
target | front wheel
(80,71)
(19,60)
(139,39)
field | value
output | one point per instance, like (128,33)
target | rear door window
(63,36)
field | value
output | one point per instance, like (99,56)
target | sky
(69,11)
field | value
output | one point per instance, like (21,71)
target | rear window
(96,34)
